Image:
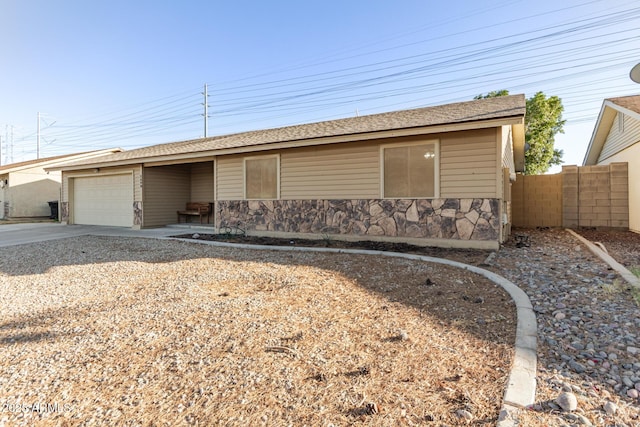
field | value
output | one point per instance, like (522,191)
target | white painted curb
(521,388)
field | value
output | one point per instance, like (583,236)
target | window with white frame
(261,177)
(410,170)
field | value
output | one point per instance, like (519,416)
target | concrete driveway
(18,234)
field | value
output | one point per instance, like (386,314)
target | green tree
(542,122)
(493,94)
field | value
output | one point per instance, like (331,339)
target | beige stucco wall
(29,190)
(631,155)
(469,167)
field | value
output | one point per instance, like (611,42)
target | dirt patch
(146,332)
(468,256)
(623,246)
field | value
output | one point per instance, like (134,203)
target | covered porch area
(169,188)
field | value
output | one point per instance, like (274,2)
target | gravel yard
(588,326)
(120,331)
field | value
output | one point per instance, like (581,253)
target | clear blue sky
(130,73)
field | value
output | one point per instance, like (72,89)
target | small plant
(635,293)
(618,286)
(231,231)
(327,239)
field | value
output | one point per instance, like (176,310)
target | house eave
(205,155)
(601,129)
(58,160)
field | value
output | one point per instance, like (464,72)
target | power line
(434,75)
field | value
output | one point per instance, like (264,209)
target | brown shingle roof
(30,163)
(629,102)
(461,112)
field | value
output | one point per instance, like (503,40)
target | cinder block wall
(596,196)
(570,200)
(586,196)
(537,201)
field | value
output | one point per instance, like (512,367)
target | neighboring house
(26,188)
(616,138)
(430,176)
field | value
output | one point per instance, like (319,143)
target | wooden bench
(199,209)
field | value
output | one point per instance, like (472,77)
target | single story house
(616,138)
(429,176)
(26,187)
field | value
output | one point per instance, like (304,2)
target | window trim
(436,167)
(244,174)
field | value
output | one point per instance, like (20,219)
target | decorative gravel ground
(588,326)
(119,331)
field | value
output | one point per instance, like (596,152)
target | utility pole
(206,109)
(11,152)
(38,139)
(6,141)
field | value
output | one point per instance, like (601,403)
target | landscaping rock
(610,408)
(567,401)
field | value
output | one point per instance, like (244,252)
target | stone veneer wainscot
(461,219)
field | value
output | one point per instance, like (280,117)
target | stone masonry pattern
(461,219)
(137,213)
(64,211)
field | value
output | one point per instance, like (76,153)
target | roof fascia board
(624,110)
(600,132)
(425,130)
(71,157)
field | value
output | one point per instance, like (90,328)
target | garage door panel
(104,200)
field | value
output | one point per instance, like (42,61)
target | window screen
(261,178)
(409,171)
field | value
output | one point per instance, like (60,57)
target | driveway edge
(521,386)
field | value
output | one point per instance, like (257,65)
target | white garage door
(103,200)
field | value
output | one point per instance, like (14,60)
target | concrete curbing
(619,268)
(521,386)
